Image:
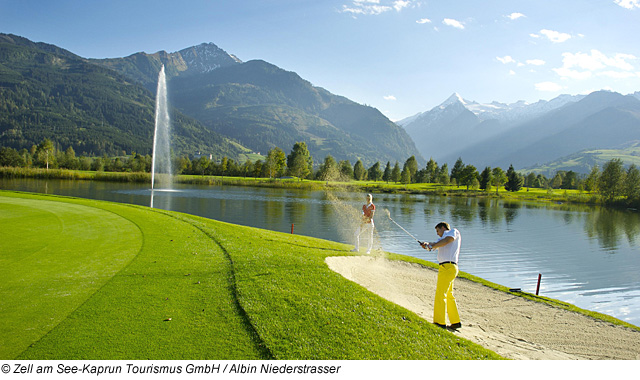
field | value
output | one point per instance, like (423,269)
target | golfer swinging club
(366,224)
(448,247)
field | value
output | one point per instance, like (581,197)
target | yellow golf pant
(447,273)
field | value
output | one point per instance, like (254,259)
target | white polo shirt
(451,251)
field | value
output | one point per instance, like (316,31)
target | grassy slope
(231,292)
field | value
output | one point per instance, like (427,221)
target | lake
(588,256)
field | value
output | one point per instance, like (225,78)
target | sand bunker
(509,325)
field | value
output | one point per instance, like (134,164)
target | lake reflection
(587,256)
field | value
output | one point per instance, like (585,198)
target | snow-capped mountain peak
(453,99)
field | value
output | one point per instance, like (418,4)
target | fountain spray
(161,161)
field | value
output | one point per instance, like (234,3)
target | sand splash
(347,213)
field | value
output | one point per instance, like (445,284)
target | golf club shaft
(414,238)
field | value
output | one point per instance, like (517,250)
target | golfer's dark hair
(443,224)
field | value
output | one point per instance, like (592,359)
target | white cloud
(423,21)
(567,73)
(619,74)
(585,65)
(366,7)
(597,60)
(515,16)
(389,97)
(534,35)
(629,4)
(373,7)
(511,72)
(548,87)
(454,23)
(399,4)
(555,36)
(506,59)
(536,62)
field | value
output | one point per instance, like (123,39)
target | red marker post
(538,287)
(291,228)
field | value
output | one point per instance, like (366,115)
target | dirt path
(509,325)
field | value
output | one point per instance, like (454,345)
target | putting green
(54,256)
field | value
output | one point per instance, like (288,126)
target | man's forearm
(441,242)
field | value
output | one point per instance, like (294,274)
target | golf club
(408,233)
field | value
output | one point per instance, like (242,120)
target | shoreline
(550,196)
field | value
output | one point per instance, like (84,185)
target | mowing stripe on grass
(260,345)
(54,256)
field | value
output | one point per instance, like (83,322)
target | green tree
(299,161)
(375,173)
(443,174)
(358,171)
(395,173)
(45,153)
(457,170)
(570,180)
(275,164)
(329,169)
(485,179)
(530,179)
(346,171)
(467,175)
(558,178)
(432,171)
(10,157)
(247,168)
(412,166)
(499,178)
(98,164)
(85,163)
(201,164)
(405,176)
(257,168)
(514,180)
(233,169)
(224,165)
(611,179)
(69,159)
(299,167)
(632,183)
(27,157)
(541,182)
(386,176)
(184,165)
(591,183)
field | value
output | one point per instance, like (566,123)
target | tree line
(612,182)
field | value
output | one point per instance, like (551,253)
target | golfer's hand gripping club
(425,245)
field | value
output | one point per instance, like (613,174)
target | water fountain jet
(161,157)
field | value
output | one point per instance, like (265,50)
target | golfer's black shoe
(455,326)
(441,326)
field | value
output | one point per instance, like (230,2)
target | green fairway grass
(98,280)
(54,256)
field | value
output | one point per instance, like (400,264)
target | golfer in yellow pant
(448,247)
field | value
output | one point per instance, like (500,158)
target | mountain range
(226,107)
(222,106)
(525,135)
(263,106)
(49,92)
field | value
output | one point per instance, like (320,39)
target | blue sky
(400,56)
